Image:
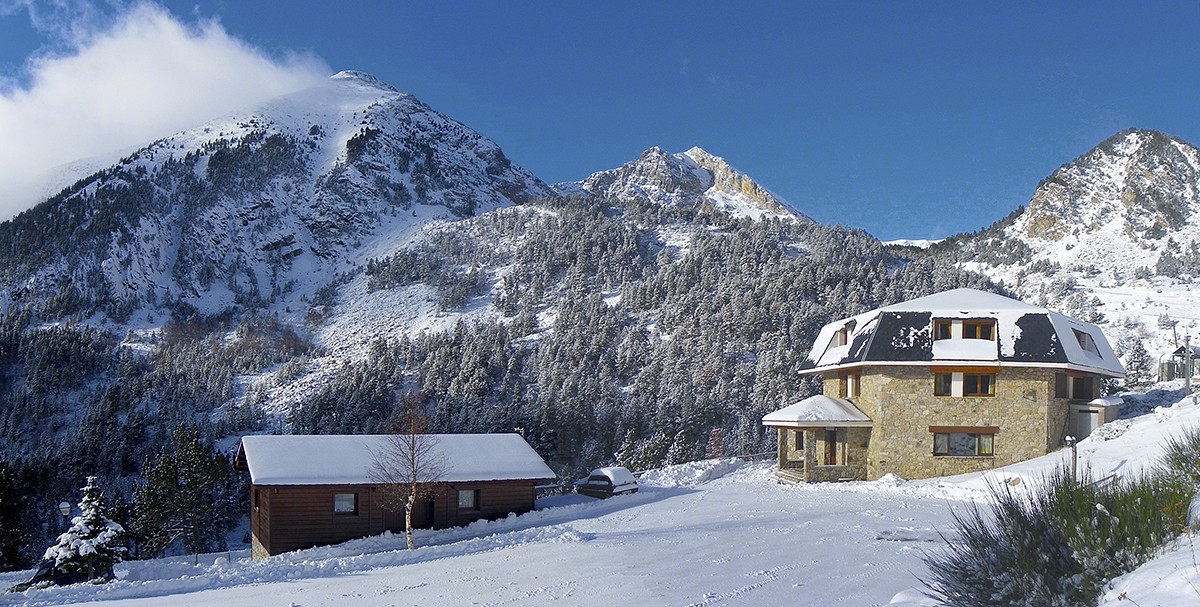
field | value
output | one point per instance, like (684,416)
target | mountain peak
(362,78)
(694,177)
(1142,180)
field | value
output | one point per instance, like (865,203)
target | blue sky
(908,119)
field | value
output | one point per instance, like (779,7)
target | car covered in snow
(607,482)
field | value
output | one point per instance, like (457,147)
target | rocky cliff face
(1143,181)
(1129,207)
(694,177)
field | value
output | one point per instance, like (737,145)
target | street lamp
(65,508)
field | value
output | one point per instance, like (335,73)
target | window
(943,384)
(345,503)
(979,384)
(979,442)
(1062,385)
(979,329)
(468,499)
(1083,388)
(1086,342)
(798,440)
(970,381)
(853,385)
(943,329)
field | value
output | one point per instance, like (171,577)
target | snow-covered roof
(1026,335)
(818,411)
(341,459)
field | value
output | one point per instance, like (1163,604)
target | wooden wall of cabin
(292,517)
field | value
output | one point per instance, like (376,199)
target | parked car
(607,482)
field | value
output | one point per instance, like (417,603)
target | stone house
(955,382)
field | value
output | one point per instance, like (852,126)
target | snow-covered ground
(719,532)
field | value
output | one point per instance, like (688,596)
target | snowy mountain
(1113,235)
(296,266)
(693,178)
(1131,202)
(259,209)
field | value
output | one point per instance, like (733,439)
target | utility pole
(1189,364)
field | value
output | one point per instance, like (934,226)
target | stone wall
(900,401)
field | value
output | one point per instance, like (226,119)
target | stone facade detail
(900,401)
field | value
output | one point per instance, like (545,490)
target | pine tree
(187,495)
(1139,368)
(89,549)
(12,534)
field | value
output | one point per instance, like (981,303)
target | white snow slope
(719,532)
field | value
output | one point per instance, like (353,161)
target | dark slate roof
(1025,335)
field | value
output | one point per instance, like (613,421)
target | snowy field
(720,532)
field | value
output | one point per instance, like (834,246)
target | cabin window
(943,384)
(798,440)
(943,329)
(979,384)
(468,499)
(979,329)
(1086,342)
(345,503)
(964,444)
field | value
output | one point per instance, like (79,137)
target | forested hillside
(608,345)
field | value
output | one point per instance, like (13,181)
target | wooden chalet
(313,490)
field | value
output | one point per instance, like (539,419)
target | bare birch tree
(408,462)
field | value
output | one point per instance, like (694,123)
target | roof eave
(819,424)
(963,363)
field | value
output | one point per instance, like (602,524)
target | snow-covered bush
(1058,545)
(1114,527)
(1181,458)
(1111,430)
(90,548)
(1015,555)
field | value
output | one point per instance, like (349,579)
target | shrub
(1113,528)
(1060,544)
(1017,556)
(1181,459)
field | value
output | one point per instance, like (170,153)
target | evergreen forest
(624,332)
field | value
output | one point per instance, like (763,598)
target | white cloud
(143,76)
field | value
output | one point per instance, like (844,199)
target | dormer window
(842,337)
(964,329)
(979,329)
(1086,342)
(943,329)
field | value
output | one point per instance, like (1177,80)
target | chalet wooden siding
(293,517)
